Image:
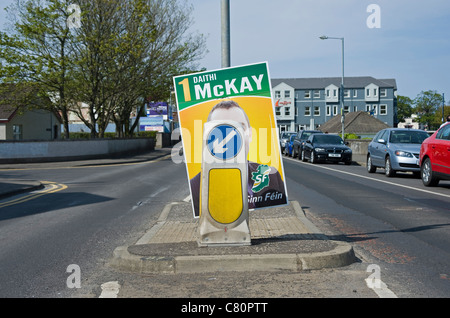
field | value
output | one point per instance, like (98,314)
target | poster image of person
(265,186)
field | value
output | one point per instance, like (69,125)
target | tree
(426,105)
(121,54)
(37,52)
(404,108)
(127,53)
(161,49)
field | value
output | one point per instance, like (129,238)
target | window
(328,93)
(383,109)
(316,110)
(383,92)
(375,92)
(355,108)
(444,133)
(287,111)
(355,93)
(296,111)
(346,109)
(277,94)
(316,94)
(384,135)
(335,110)
(334,92)
(328,110)
(17,132)
(287,94)
(277,111)
(307,110)
(367,108)
(347,93)
(307,94)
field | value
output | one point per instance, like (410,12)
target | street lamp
(324,37)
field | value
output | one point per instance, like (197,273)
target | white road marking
(110,289)
(380,288)
(373,179)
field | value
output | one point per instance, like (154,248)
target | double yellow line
(50,187)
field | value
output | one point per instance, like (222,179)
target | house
(307,103)
(359,123)
(23,122)
(410,122)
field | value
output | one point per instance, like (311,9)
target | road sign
(224,142)
(224,204)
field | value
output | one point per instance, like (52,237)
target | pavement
(282,238)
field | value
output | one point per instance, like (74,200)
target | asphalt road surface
(396,223)
(399,229)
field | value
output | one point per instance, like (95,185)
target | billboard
(242,94)
(157,109)
(152,123)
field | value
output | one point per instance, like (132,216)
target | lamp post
(324,37)
(225,30)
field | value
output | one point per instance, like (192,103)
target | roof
(13,97)
(7,112)
(355,123)
(322,82)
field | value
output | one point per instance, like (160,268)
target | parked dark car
(395,149)
(300,139)
(288,150)
(435,157)
(324,147)
(284,138)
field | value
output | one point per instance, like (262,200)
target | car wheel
(388,171)
(303,156)
(370,167)
(427,175)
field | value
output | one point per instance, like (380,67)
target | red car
(434,158)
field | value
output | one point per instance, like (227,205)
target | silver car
(396,149)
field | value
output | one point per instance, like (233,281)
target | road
(396,225)
(103,206)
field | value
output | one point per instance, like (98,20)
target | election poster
(242,94)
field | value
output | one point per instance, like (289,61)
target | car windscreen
(407,137)
(328,139)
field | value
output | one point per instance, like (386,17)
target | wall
(359,146)
(59,150)
(37,124)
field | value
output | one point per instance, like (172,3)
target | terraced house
(307,103)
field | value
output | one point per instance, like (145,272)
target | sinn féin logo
(261,178)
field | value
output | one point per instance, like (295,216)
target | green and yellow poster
(242,94)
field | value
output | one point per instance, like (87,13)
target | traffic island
(283,239)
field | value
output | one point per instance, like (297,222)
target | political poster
(241,94)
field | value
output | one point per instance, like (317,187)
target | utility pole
(225,10)
(324,37)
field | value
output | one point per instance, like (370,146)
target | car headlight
(401,153)
(319,149)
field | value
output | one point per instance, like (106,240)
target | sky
(408,40)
